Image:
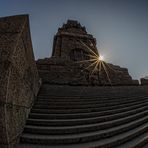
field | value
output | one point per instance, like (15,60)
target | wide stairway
(88,117)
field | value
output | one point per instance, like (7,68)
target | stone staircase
(88,117)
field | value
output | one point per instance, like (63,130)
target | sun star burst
(96,63)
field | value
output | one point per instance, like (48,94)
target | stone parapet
(19,80)
(60,71)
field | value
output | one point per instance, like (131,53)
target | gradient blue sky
(120,27)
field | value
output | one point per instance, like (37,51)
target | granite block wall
(19,80)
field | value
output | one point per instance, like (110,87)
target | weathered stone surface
(71,40)
(72,48)
(144,81)
(135,82)
(64,116)
(19,80)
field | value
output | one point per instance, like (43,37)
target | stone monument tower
(74,61)
(71,40)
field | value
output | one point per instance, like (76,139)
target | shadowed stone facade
(144,81)
(67,42)
(19,80)
(72,45)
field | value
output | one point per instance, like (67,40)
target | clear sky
(120,27)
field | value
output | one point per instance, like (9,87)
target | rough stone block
(19,80)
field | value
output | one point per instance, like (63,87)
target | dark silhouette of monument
(36,113)
(74,51)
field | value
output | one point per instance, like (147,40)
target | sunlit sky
(120,27)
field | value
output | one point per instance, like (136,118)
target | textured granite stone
(19,80)
(72,45)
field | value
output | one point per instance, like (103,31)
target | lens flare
(96,63)
(101,58)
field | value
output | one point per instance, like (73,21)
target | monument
(35,114)
(75,61)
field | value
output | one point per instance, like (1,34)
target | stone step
(115,135)
(82,128)
(138,142)
(133,142)
(83,121)
(88,100)
(84,110)
(97,98)
(126,143)
(58,105)
(82,117)
(125,138)
(90,97)
(82,90)
(86,115)
(142,143)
